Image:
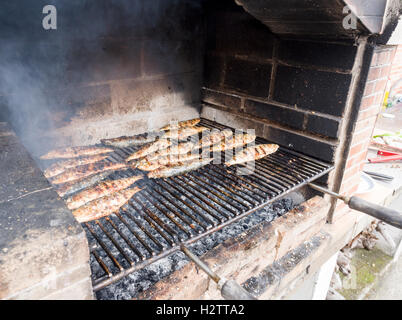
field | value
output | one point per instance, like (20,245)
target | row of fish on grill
(81,173)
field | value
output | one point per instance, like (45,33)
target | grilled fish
(214,137)
(61,166)
(69,188)
(75,152)
(100,190)
(179,168)
(147,165)
(183,133)
(124,141)
(235,141)
(181,124)
(252,153)
(85,171)
(104,206)
(150,148)
(181,148)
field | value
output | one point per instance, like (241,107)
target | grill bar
(176,211)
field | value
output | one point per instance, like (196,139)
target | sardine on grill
(75,152)
(235,141)
(61,166)
(124,141)
(150,165)
(181,124)
(85,171)
(179,168)
(71,187)
(180,148)
(214,137)
(104,206)
(183,133)
(150,148)
(252,153)
(100,190)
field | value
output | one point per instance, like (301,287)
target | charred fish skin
(85,171)
(149,148)
(70,188)
(124,141)
(75,152)
(104,206)
(181,168)
(61,166)
(100,190)
(181,124)
(252,153)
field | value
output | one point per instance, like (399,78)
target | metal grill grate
(183,209)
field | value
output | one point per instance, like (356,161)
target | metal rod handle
(389,216)
(230,289)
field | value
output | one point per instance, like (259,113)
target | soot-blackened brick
(306,145)
(220,98)
(323,126)
(248,77)
(213,71)
(94,61)
(291,118)
(321,91)
(170,57)
(239,34)
(318,53)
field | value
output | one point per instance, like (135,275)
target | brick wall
(294,92)
(396,71)
(110,68)
(369,109)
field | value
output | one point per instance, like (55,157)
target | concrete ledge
(42,247)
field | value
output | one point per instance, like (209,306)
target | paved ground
(391,124)
(390,284)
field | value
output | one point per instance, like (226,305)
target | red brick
(385,71)
(394,52)
(361,136)
(350,172)
(379,98)
(367,102)
(366,123)
(359,147)
(370,86)
(355,149)
(374,59)
(383,58)
(350,189)
(369,112)
(357,159)
(374,73)
(380,85)
(349,184)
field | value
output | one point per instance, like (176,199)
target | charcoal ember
(282,207)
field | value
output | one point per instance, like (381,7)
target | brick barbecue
(130,67)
